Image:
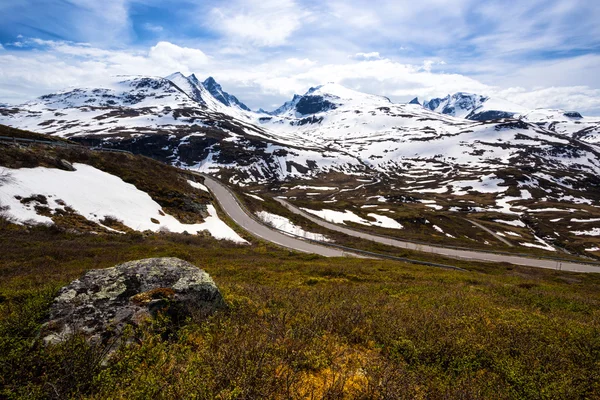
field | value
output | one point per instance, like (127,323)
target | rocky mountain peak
(215,89)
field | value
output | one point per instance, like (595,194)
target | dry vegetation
(302,326)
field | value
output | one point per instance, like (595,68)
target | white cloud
(355,15)
(28,74)
(264,23)
(300,63)
(58,65)
(367,56)
(178,58)
(102,21)
(574,98)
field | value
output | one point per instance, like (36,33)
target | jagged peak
(336,90)
(194,79)
(175,76)
(210,81)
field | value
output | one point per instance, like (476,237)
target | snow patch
(285,225)
(198,186)
(517,223)
(254,196)
(95,194)
(385,222)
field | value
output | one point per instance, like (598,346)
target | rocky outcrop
(102,302)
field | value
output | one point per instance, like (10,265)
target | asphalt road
(230,205)
(452,253)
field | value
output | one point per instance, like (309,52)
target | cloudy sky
(538,53)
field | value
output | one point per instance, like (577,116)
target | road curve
(452,253)
(230,205)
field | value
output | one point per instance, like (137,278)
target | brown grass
(303,326)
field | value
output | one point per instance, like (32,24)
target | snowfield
(338,217)
(285,225)
(95,195)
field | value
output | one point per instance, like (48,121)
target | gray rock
(102,302)
(64,164)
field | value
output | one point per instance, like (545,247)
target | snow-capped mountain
(325,98)
(474,107)
(175,120)
(288,105)
(440,152)
(329,128)
(209,93)
(218,93)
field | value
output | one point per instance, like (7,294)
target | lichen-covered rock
(102,302)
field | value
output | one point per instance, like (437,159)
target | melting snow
(437,228)
(385,222)
(543,245)
(198,185)
(592,232)
(254,196)
(303,187)
(339,217)
(585,220)
(513,223)
(284,224)
(96,194)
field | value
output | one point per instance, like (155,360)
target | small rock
(102,302)
(64,164)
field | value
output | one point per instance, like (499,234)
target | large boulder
(102,302)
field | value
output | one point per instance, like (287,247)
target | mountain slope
(474,107)
(176,120)
(568,123)
(225,98)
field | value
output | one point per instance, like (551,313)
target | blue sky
(535,53)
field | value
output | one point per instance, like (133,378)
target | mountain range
(444,145)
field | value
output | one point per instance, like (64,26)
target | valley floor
(304,326)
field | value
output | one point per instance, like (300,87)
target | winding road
(236,212)
(231,206)
(452,253)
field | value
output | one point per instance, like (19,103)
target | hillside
(296,325)
(300,326)
(80,190)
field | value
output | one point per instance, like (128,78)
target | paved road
(491,232)
(230,205)
(452,253)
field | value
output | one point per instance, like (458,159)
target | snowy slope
(124,106)
(474,107)
(95,195)
(176,120)
(569,123)
(328,97)
(222,96)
